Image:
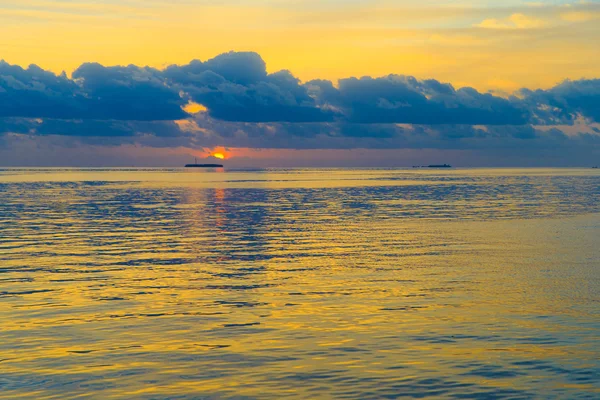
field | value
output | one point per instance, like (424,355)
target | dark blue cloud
(35,93)
(95,128)
(128,93)
(96,92)
(248,105)
(236,87)
(404,99)
(242,68)
(16,125)
(564,103)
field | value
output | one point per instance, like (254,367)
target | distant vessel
(596,167)
(440,166)
(433,166)
(196,165)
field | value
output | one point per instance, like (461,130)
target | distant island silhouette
(204,166)
(196,165)
(433,166)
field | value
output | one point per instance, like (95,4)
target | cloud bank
(243,105)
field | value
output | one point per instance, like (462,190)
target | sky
(299,83)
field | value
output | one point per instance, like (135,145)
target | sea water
(300,283)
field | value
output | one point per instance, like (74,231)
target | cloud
(232,100)
(515,21)
(16,125)
(236,87)
(207,132)
(404,99)
(564,103)
(242,68)
(580,16)
(95,92)
(36,93)
(128,93)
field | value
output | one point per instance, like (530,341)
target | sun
(220,156)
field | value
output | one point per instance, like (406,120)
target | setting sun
(220,156)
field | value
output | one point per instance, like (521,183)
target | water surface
(360,284)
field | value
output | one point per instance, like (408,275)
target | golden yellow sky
(475,43)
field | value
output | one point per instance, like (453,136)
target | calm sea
(343,283)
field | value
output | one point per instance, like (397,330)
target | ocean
(300,284)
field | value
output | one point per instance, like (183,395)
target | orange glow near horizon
(220,152)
